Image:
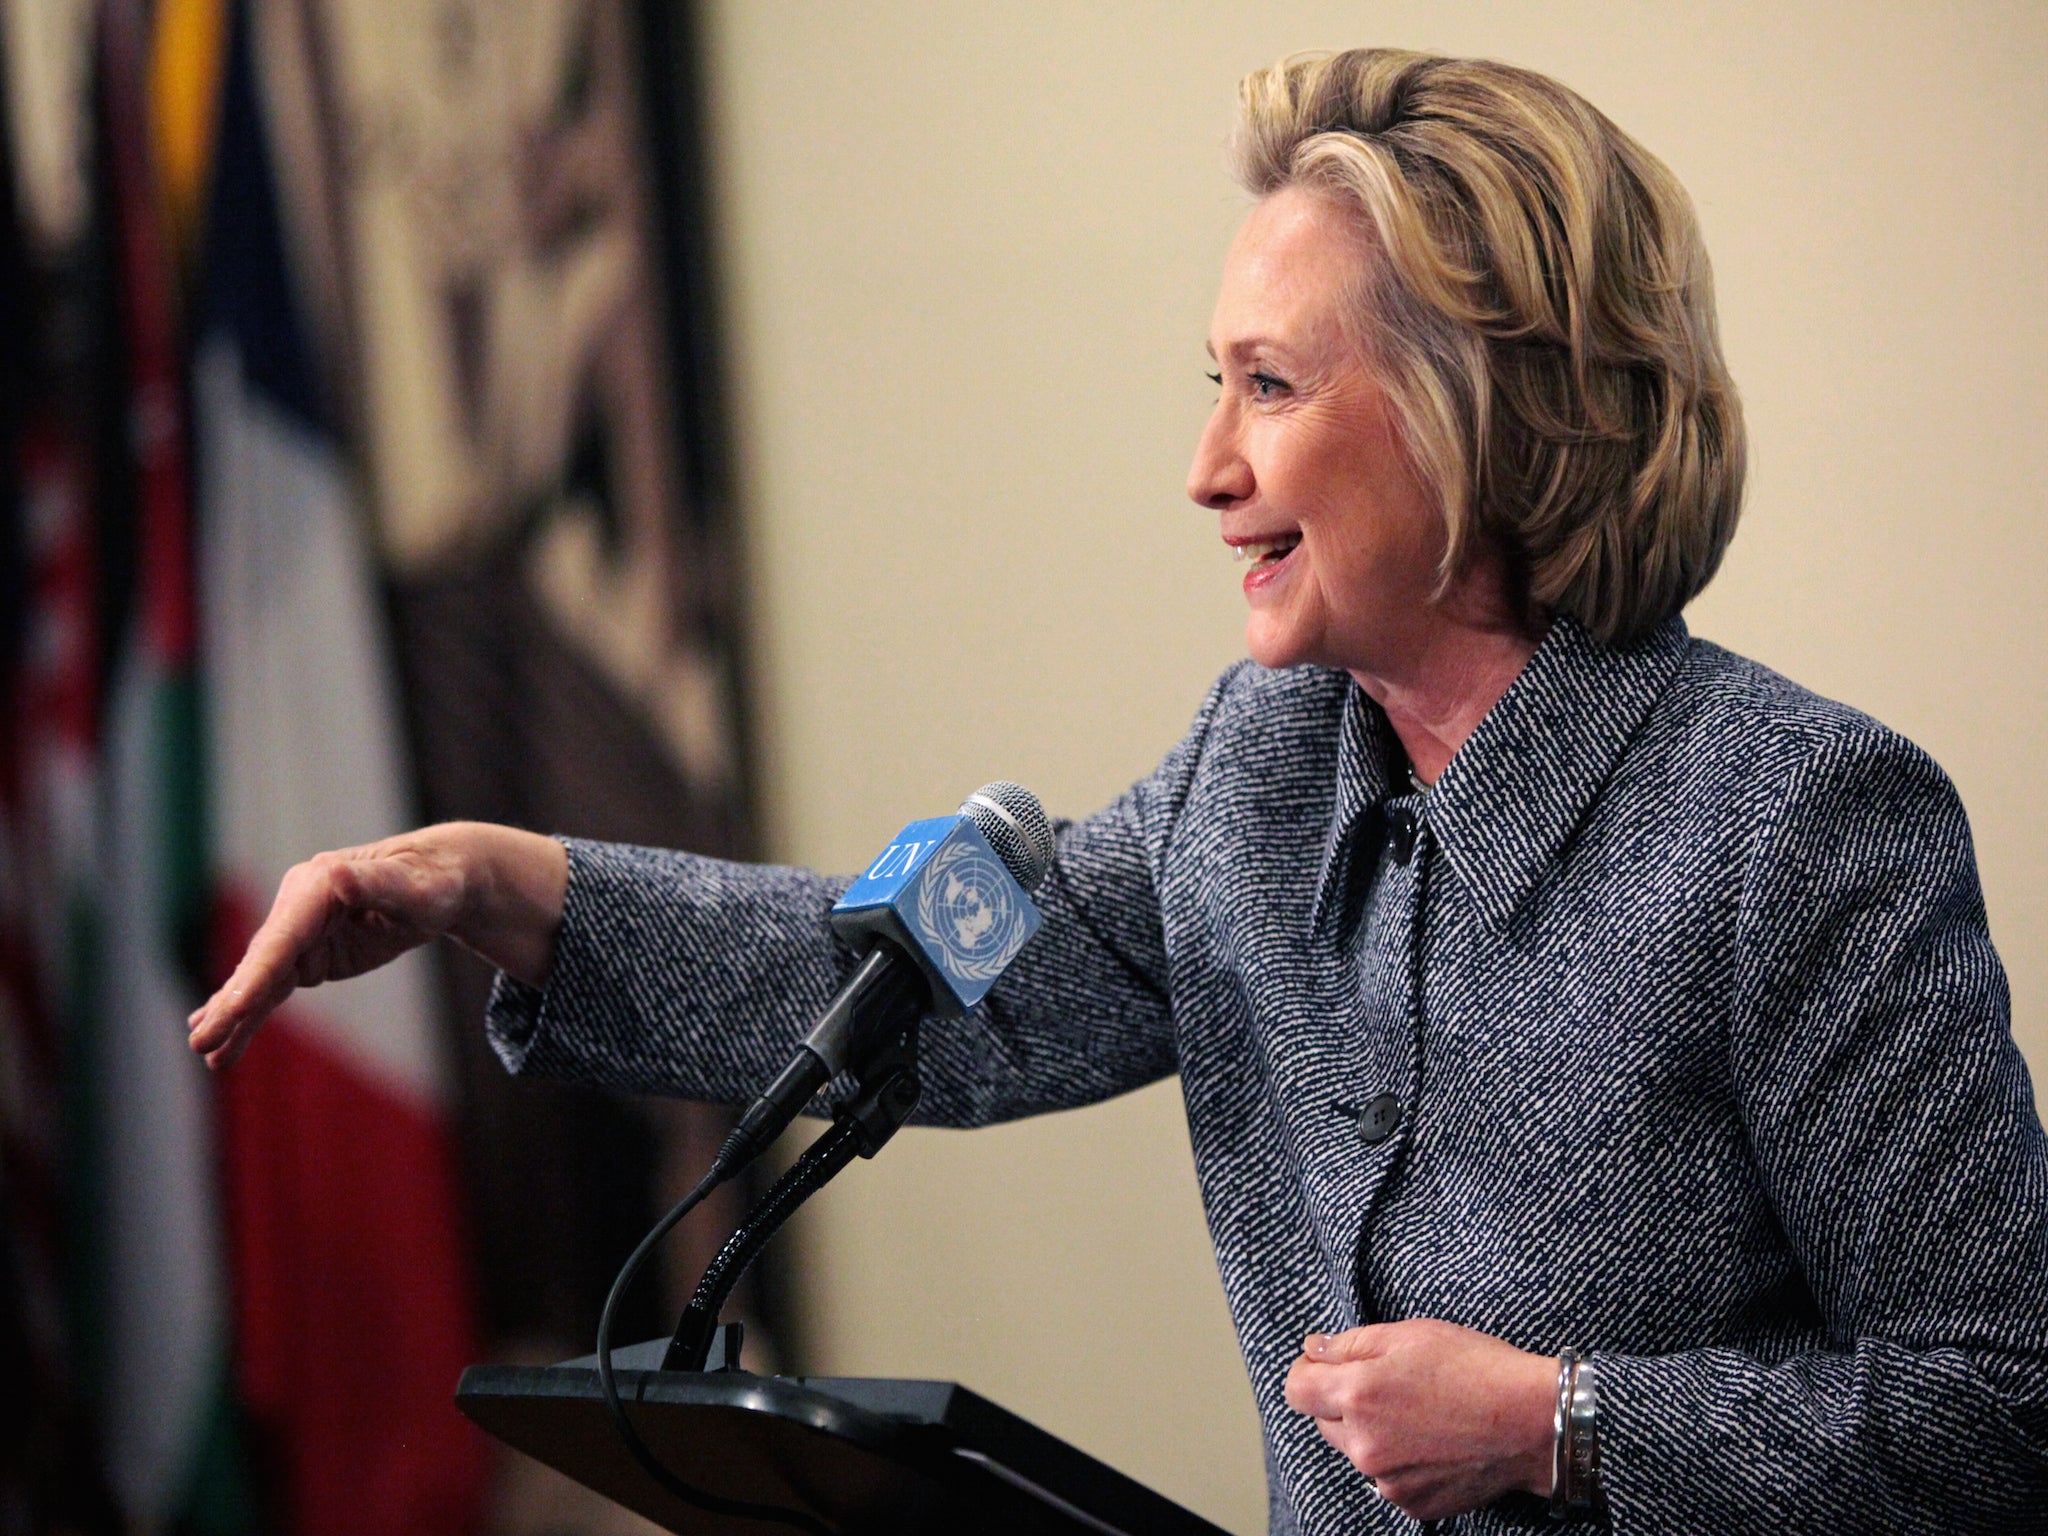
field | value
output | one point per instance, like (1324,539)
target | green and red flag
(166,1397)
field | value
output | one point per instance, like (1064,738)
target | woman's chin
(1274,646)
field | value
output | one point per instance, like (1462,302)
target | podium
(857,1455)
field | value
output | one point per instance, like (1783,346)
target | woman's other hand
(497,890)
(1440,1418)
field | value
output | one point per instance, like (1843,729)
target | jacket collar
(1514,793)
(1367,751)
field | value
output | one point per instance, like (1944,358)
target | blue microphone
(944,894)
(938,917)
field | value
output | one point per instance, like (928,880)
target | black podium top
(861,1455)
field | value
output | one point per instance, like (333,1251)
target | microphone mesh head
(1014,823)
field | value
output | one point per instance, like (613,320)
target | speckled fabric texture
(1685,993)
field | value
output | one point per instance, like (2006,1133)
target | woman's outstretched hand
(1441,1418)
(495,889)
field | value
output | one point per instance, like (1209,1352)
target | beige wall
(970,252)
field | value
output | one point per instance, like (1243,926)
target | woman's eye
(1263,385)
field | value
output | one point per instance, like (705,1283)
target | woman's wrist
(514,884)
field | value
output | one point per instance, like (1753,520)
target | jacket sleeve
(685,975)
(1896,1133)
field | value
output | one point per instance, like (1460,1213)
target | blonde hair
(1541,312)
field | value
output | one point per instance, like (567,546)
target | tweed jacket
(1681,987)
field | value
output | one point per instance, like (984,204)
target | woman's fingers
(270,968)
(336,915)
(1362,1343)
(1325,1381)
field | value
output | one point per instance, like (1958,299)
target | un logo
(967,904)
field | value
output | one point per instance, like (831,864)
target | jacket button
(1376,1122)
(1401,835)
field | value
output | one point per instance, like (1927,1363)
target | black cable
(697,1498)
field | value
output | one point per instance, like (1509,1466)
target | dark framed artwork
(500,213)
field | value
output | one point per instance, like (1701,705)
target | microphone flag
(941,894)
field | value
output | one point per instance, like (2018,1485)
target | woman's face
(1301,458)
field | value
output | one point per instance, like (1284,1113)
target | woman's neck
(1467,654)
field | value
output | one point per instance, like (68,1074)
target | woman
(1540,979)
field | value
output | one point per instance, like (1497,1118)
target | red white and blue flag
(353,1309)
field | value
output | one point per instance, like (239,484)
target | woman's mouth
(1265,555)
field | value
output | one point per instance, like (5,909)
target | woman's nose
(1219,476)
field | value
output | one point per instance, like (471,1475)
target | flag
(50,697)
(48,933)
(353,1306)
(166,1413)
(44,657)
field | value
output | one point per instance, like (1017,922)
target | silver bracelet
(1582,1453)
(1575,1444)
(1560,1423)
